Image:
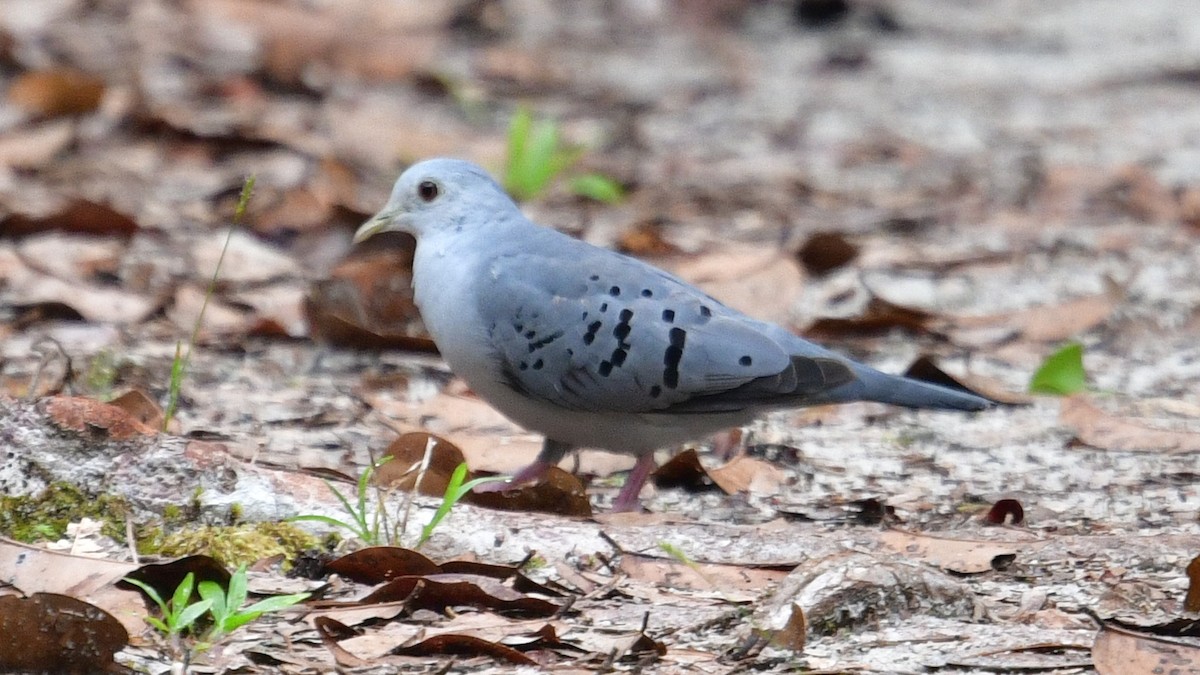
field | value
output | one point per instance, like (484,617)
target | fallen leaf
(56,92)
(1119,651)
(86,415)
(824,252)
(46,632)
(1192,602)
(962,556)
(1100,429)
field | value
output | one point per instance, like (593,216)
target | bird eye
(428,191)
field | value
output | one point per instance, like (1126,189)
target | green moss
(101,375)
(233,545)
(46,516)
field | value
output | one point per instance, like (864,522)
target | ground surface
(1016,174)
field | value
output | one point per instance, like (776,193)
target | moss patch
(233,545)
(45,517)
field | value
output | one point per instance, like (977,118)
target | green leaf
(236,595)
(455,491)
(183,592)
(215,595)
(189,615)
(277,602)
(598,187)
(149,590)
(1061,373)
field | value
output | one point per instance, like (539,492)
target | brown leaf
(465,645)
(141,407)
(1100,429)
(367,301)
(1118,651)
(79,216)
(436,592)
(51,93)
(645,240)
(748,474)
(824,252)
(377,564)
(879,317)
(956,555)
(1192,602)
(1006,511)
(87,415)
(407,452)
(56,633)
(558,492)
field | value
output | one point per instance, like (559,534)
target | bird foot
(529,474)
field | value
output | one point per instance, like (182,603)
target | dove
(595,349)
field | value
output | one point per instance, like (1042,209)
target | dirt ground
(1009,176)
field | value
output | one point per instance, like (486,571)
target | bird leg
(551,454)
(627,498)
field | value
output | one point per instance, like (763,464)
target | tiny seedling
(1061,374)
(537,156)
(179,364)
(362,524)
(456,489)
(225,605)
(180,612)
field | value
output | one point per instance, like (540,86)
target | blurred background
(978,180)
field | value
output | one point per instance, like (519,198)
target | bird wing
(601,332)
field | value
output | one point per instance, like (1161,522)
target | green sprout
(456,489)
(362,524)
(537,156)
(1062,373)
(179,364)
(225,605)
(180,612)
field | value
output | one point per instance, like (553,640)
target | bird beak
(378,223)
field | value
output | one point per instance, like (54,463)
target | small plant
(180,363)
(180,612)
(225,605)
(537,156)
(362,524)
(1061,374)
(455,491)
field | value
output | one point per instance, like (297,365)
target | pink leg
(529,474)
(627,498)
(551,454)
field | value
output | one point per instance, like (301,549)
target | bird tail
(872,385)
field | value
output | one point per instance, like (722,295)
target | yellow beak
(378,223)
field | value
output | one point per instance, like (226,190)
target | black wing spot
(622,331)
(537,365)
(524,366)
(615,291)
(673,356)
(746,361)
(626,315)
(518,327)
(590,335)
(647,293)
(594,277)
(603,307)
(705,311)
(584,317)
(655,391)
(570,352)
(605,368)
(530,334)
(668,315)
(618,357)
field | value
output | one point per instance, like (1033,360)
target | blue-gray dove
(595,349)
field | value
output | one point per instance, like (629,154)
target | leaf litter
(872,220)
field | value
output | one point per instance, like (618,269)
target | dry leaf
(1118,651)
(51,93)
(955,555)
(1100,429)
